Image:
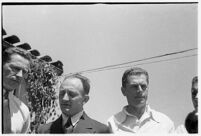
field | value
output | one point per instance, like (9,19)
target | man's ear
(86,98)
(123,90)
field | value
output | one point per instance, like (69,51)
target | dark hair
(133,71)
(194,80)
(191,123)
(15,50)
(85,81)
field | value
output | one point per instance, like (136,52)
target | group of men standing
(136,117)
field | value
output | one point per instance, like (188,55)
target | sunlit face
(71,96)
(14,71)
(194,93)
(136,90)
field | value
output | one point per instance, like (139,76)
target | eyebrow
(19,66)
(64,89)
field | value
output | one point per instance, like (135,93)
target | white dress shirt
(20,115)
(150,122)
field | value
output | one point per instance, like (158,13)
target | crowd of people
(135,117)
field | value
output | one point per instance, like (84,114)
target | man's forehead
(137,77)
(71,83)
(19,61)
(18,58)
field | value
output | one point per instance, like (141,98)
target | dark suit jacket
(84,125)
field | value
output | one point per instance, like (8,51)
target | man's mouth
(140,97)
(65,104)
(14,79)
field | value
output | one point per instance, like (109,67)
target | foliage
(41,81)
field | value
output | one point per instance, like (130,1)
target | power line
(165,60)
(148,58)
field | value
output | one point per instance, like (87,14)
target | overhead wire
(158,61)
(139,60)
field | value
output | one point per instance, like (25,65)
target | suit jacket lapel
(84,125)
(56,126)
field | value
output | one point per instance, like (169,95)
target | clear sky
(90,36)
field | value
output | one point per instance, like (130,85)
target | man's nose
(140,88)
(19,73)
(66,97)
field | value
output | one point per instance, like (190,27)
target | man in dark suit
(73,95)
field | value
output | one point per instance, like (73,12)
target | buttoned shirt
(19,114)
(74,119)
(150,122)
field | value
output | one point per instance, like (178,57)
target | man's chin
(141,101)
(14,83)
(140,104)
(67,113)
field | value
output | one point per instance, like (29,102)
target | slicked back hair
(85,81)
(15,50)
(133,71)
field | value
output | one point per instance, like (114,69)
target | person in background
(194,94)
(137,116)
(16,64)
(73,94)
(191,121)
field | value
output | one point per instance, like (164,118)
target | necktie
(68,127)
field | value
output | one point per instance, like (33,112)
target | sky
(90,36)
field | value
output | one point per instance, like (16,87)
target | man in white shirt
(16,63)
(73,94)
(137,116)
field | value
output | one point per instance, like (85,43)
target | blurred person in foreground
(137,116)
(16,115)
(73,94)
(191,121)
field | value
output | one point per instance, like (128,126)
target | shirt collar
(147,114)
(74,119)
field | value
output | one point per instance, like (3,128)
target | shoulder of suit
(102,128)
(43,128)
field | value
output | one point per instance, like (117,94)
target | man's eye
(15,69)
(62,93)
(25,71)
(144,87)
(135,86)
(71,94)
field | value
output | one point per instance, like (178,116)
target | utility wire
(158,61)
(139,60)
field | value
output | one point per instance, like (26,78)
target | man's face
(136,90)
(71,96)
(194,92)
(14,71)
